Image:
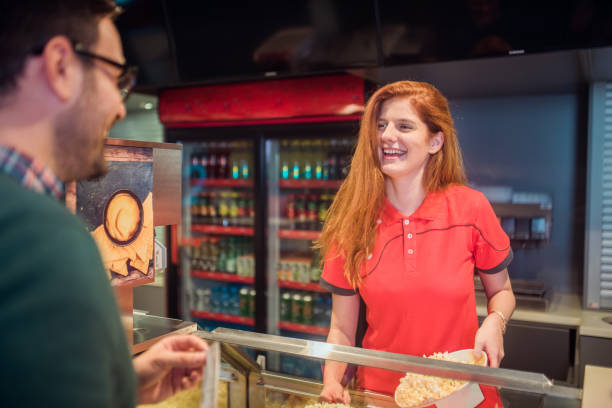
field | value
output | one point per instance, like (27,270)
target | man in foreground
(63,81)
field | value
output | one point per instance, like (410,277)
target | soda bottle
(296,308)
(252,295)
(195,171)
(290,211)
(213,251)
(311,212)
(300,209)
(315,267)
(195,209)
(212,164)
(222,259)
(203,165)
(245,309)
(235,166)
(285,307)
(230,261)
(204,217)
(223,161)
(251,209)
(212,208)
(332,166)
(241,218)
(224,210)
(317,162)
(306,159)
(284,160)
(295,165)
(307,310)
(233,209)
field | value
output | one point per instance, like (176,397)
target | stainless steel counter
(148,330)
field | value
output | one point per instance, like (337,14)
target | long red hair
(350,225)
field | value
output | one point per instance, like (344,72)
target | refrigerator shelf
(330,184)
(222,317)
(220,276)
(221,230)
(312,287)
(298,234)
(221,182)
(303,328)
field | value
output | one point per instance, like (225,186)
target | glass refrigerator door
(217,262)
(303,177)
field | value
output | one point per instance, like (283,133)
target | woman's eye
(405,127)
(381,126)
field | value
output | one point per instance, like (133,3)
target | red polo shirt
(418,282)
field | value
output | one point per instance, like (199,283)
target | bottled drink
(300,209)
(195,208)
(245,309)
(235,167)
(296,308)
(224,210)
(223,161)
(212,208)
(318,310)
(203,165)
(315,267)
(290,211)
(251,208)
(234,300)
(252,295)
(242,211)
(222,259)
(195,171)
(311,212)
(233,208)
(307,311)
(284,160)
(213,253)
(295,164)
(306,159)
(203,213)
(230,262)
(332,166)
(285,307)
(212,164)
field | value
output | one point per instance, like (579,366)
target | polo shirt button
(410,251)
(406,222)
(409,236)
(378,221)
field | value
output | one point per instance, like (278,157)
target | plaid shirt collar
(30,173)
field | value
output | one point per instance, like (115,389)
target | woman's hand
(335,392)
(489,338)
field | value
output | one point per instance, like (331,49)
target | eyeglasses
(126,79)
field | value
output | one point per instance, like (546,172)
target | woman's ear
(436,142)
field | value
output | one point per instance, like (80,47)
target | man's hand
(171,365)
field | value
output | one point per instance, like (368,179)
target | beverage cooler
(262,162)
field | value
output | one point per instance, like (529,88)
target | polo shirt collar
(432,207)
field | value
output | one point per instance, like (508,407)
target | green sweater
(62,343)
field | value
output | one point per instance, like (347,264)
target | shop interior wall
(534,143)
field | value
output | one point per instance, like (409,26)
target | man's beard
(78,144)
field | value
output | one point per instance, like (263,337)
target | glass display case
(245,381)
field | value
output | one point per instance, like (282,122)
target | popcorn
(419,389)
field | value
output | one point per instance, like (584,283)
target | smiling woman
(404,237)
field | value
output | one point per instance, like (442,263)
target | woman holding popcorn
(406,235)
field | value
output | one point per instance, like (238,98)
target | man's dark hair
(27,25)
